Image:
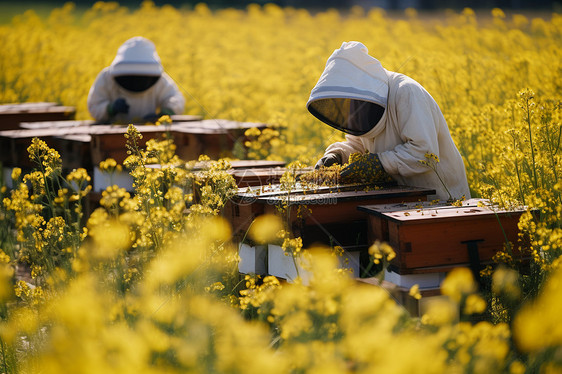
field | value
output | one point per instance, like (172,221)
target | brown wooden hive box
(192,137)
(236,165)
(11,115)
(436,238)
(260,174)
(321,208)
(401,295)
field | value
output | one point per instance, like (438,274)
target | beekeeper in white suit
(134,87)
(391,118)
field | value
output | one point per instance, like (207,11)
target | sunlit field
(149,282)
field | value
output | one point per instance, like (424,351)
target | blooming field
(149,283)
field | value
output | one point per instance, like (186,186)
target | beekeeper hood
(136,66)
(351,94)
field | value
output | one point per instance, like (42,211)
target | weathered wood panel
(11,115)
(438,238)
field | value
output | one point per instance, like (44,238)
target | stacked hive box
(431,239)
(325,215)
(11,115)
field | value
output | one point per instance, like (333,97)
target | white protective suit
(411,126)
(137,56)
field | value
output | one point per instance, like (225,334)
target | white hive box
(425,280)
(253,259)
(283,266)
(104,180)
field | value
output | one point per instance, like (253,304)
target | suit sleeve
(417,115)
(350,145)
(171,97)
(99,97)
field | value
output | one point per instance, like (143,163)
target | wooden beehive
(70,138)
(108,141)
(416,308)
(53,125)
(14,144)
(255,164)
(216,137)
(11,115)
(236,165)
(339,204)
(318,215)
(260,175)
(192,138)
(310,209)
(74,150)
(103,140)
(436,238)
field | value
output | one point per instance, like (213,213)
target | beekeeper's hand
(166,112)
(365,168)
(151,117)
(328,160)
(118,106)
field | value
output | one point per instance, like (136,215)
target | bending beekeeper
(389,118)
(134,87)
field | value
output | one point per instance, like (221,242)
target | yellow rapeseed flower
(264,229)
(415,292)
(458,284)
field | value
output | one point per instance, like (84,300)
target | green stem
(528,119)
(552,150)
(366,271)
(46,185)
(507,242)
(4,359)
(434,168)
(295,264)
(521,194)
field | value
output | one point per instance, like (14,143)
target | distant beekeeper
(391,120)
(134,88)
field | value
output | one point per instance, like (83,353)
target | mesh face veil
(136,83)
(352,93)
(136,66)
(352,116)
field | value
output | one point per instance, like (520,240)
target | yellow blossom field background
(141,286)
